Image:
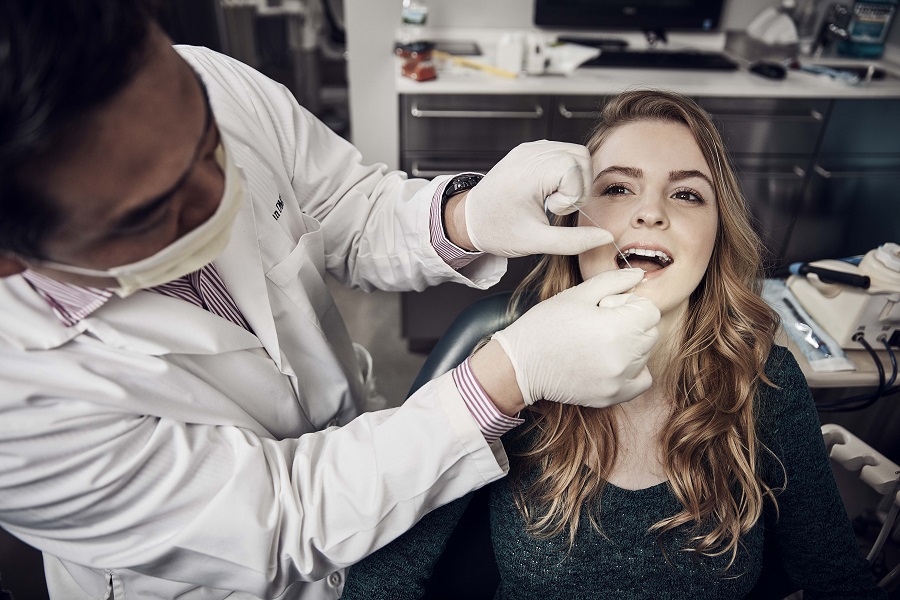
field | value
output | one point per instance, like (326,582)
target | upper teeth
(648,253)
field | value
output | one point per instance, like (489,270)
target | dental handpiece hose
(831,276)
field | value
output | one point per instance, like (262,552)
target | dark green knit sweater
(813,534)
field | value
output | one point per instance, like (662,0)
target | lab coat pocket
(300,275)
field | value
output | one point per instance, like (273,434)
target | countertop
(454,79)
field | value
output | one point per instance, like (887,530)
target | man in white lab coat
(180,399)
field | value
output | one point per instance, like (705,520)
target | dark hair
(60,60)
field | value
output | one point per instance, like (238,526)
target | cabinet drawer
(430,165)
(869,126)
(462,123)
(768,125)
(748,125)
(851,206)
(772,188)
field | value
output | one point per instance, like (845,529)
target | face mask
(187,254)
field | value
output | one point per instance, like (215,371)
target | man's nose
(205,189)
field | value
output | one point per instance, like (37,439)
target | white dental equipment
(845,312)
(876,471)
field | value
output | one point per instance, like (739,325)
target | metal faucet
(834,27)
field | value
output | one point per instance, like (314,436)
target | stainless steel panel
(463,123)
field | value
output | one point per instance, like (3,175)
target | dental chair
(467,569)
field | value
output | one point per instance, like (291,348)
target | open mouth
(641,258)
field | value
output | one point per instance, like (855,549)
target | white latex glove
(587,345)
(505,211)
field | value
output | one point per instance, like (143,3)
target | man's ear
(10,266)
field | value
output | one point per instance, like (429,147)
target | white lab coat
(158,451)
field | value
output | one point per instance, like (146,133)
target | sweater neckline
(659,489)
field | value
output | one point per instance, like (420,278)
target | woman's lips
(644,255)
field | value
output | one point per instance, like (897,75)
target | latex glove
(505,211)
(587,345)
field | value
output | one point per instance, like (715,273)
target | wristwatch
(457,185)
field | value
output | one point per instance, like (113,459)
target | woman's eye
(688,196)
(615,190)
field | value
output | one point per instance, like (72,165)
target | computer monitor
(637,15)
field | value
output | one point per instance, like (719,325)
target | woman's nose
(650,213)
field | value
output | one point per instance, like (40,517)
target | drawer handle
(826,174)
(577,114)
(417,112)
(427,174)
(813,116)
(794,173)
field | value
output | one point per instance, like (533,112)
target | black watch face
(464,183)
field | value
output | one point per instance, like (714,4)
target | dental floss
(622,254)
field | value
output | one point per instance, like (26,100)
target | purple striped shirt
(492,422)
(204,288)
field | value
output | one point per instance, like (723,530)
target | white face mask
(189,253)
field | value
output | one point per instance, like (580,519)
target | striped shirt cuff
(492,423)
(449,252)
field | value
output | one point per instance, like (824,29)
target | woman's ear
(11,266)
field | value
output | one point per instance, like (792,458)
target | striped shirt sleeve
(492,423)
(451,254)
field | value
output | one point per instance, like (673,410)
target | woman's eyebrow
(627,171)
(689,174)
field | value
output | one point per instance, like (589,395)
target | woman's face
(653,191)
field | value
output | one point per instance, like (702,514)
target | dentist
(182,407)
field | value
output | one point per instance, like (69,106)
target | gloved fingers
(634,387)
(573,189)
(605,284)
(636,352)
(640,310)
(549,239)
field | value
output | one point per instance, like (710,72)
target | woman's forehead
(651,143)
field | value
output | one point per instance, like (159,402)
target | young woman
(673,493)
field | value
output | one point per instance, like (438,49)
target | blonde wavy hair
(709,443)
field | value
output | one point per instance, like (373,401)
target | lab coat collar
(28,323)
(154,324)
(241,265)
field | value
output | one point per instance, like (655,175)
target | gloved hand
(505,211)
(587,345)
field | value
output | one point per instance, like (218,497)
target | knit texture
(814,537)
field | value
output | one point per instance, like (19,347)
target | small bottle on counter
(414,18)
(870,21)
